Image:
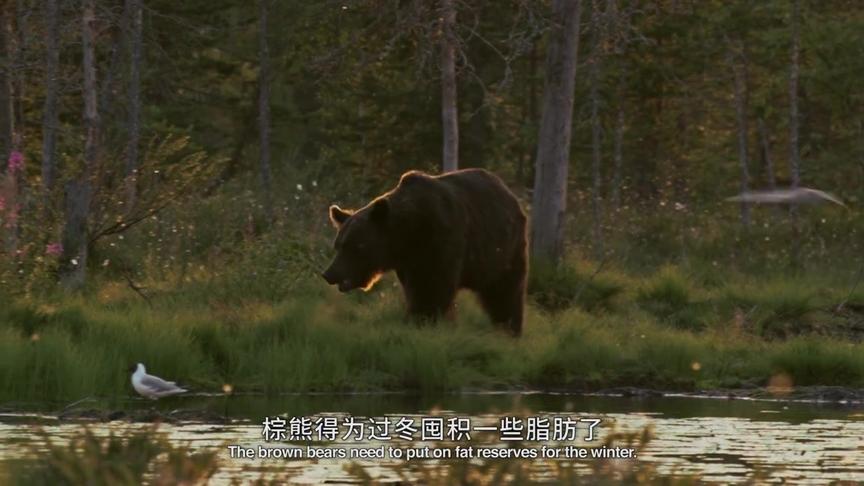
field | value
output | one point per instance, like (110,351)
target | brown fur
(463,229)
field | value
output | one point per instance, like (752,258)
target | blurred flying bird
(799,195)
(151,386)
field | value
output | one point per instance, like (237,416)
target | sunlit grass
(315,339)
(680,300)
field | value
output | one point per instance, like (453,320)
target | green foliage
(579,356)
(668,360)
(667,296)
(777,308)
(31,321)
(210,289)
(808,361)
(659,335)
(560,287)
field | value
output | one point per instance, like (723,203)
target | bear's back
(495,225)
(487,199)
(473,204)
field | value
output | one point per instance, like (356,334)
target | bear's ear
(338,215)
(380,210)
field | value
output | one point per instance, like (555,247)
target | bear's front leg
(429,297)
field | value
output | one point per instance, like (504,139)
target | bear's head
(362,246)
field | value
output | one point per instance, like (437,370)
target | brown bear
(462,229)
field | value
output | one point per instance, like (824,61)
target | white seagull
(151,386)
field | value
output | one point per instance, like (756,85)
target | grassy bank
(584,330)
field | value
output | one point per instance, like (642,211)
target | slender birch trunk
(264,109)
(766,155)
(794,155)
(553,149)
(449,111)
(134,11)
(7,111)
(73,271)
(794,74)
(619,30)
(739,68)
(49,110)
(530,113)
(618,156)
(598,39)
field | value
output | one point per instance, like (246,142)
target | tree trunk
(598,40)
(618,158)
(553,148)
(79,192)
(134,10)
(739,68)
(619,29)
(530,117)
(7,112)
(264,109)
(108,92)
(10,92)
(449,112)
(794,155)
(49,112)
(766,155)
(73,266)
(794,73)
(18,60)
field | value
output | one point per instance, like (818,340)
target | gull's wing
(800,195)
(158,385)
(825,196)
(770,197)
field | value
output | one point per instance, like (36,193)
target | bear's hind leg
(504,301)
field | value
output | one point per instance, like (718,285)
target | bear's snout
(344,284)
(328,277)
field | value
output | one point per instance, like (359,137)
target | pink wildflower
(16,161)
(54,249)
(12,216)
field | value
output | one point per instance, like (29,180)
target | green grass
(574,284)
(667,296)
(680,301)
(659,331)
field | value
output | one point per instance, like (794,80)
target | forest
(169,166)
(691,172)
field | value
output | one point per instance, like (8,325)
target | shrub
(668,297)
(556,288)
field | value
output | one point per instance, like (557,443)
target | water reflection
(718,440)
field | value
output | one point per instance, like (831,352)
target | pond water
(718,440)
